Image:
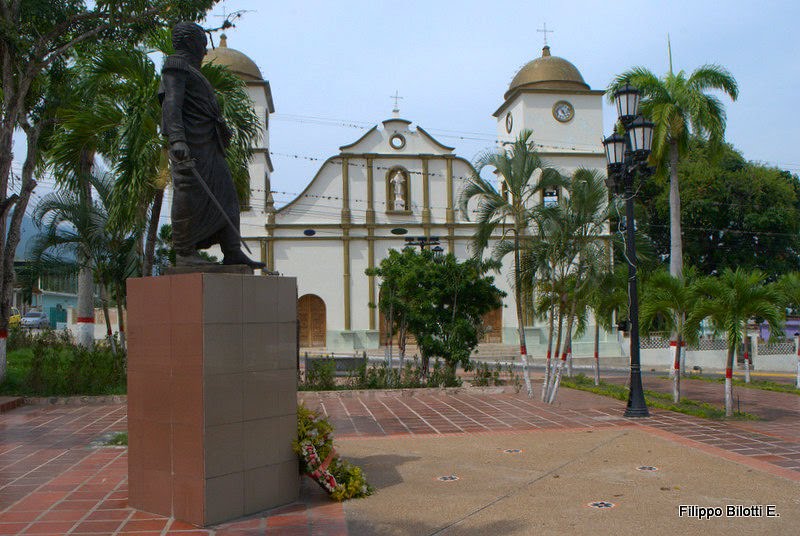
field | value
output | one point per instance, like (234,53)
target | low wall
(715,360)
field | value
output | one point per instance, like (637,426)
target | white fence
(712,355)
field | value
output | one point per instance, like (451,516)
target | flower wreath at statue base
(320,462)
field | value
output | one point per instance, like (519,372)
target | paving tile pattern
(776,442)
(52,481)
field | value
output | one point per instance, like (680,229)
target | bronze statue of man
(198,136)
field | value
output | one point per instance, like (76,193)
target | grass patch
(54,366)
(653,399)
(119,440)
(19,365)
(764,385)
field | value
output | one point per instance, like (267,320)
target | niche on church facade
(398,191)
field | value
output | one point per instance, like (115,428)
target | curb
(75,400)
(11,403)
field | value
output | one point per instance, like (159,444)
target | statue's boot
(232,249)
(238,257)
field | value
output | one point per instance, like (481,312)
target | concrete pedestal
(212,395)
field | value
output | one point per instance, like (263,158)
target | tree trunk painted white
(523,349)
(729,384)
(569,357)
(555,362)
(121,318)
(683,359)
(548,360)
(85,326)
(4,360)
(676,373)
(562,362)
(596,353)
(107,316)
(556,381)
(675,238)
(796,345)
(85,276)
(745,341)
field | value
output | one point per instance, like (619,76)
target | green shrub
(320,375)
(54,366)
(19,338)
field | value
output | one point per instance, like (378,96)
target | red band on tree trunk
(550,354)
(673,343)
(523,350)
(3,333)
(729,372)
(85,320)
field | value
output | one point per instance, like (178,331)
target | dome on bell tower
(548,72)
(234,60)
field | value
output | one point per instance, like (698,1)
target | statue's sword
(189,164)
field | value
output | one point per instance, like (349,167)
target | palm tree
(730,300)
(523,174)
(579,222)
(681,108)
(668,301)
(73,229)
(608,301)
(122,121)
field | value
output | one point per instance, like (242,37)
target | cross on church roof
(224,15)
(396,98)
(545,31)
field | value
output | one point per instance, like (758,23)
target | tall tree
(729,301)
(35,35)
(680,106)
(735,212)
(524,175)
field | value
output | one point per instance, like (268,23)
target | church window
(398,190)
(397,141)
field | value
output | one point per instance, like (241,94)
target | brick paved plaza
(54,481)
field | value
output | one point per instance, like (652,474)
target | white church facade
(398,182)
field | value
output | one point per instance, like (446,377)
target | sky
(333,66)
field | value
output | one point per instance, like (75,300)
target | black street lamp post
(627,157)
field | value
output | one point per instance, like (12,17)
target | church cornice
(433,140)
(359,140)
(519,91)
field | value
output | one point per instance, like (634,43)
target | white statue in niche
(398,184)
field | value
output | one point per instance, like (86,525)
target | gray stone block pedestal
(212,395)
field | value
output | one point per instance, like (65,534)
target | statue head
(190,38)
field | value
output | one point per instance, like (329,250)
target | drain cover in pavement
(601,504)
(448,478)
(512,451)
(647,468)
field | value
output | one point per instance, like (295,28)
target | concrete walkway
(511,466)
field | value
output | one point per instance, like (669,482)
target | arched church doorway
(493,326)
(311,317)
